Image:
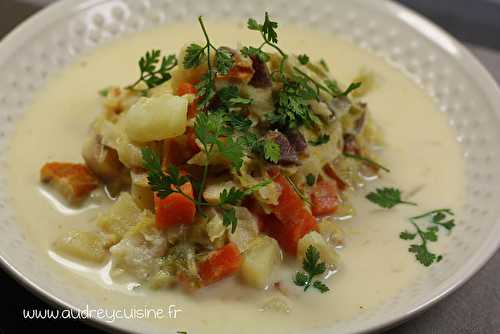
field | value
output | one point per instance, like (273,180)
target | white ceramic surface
(463,89)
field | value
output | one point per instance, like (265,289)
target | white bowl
(463,89)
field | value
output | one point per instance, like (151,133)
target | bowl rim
(420,24)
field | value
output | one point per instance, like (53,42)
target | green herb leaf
(253,25)
(194,55)
(321,286)
(104,92)
(154,72)
(301,279)
(161,183)
(430,234)
(224,61)
(271,151)
(233,196)
(407,235)
(269,29)
(323,139)
(387,198)
(303,59)
(205,90)
(335,90)
(250,51)
(232,150)
(229,218)
(422,254)
(312,267)
(310,180)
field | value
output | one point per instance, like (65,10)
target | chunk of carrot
(222,263)
(188,88)
(293,219)
(324,198)
(175,209)
(73,181)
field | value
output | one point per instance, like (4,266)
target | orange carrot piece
(222,263)
(324,198)
(175,209)
(294,221)
(73,181)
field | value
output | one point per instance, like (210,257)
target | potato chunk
(73,181)
(327,252)
(156,118)
(259,260)
(122,215)
(87,246)
(246,230)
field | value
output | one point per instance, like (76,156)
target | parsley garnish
(292,107)
(387,198)
(164,184)
(367,161)
(303,59)
(439,218)
(154,72)
(310,180)
(312,268)
(335,90)
(323,139)
(104,92)
(271,151)
(195,54)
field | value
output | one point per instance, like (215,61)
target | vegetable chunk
(156,118)
(87,246)
(326,252)
(259,261)
(175,209)
(294,221)
(324,198)
(220,264)
(73,181)
(122,215)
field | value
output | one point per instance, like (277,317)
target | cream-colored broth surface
(421,151)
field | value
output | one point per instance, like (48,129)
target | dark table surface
(473,309)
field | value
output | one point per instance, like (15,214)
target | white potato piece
(156,118)
(259,260)
(120,217)
(327,252)
(87,246)
(213,190)
(246,230)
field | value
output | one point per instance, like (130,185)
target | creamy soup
(421,151)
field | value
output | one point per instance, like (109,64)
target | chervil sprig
(312,268)
(387,198)
(196,54)
(438,218)
(154,72)
(322,139)
(164,184)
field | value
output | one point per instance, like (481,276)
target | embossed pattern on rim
(461,86)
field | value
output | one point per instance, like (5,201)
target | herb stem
(448,211)
(366,160)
